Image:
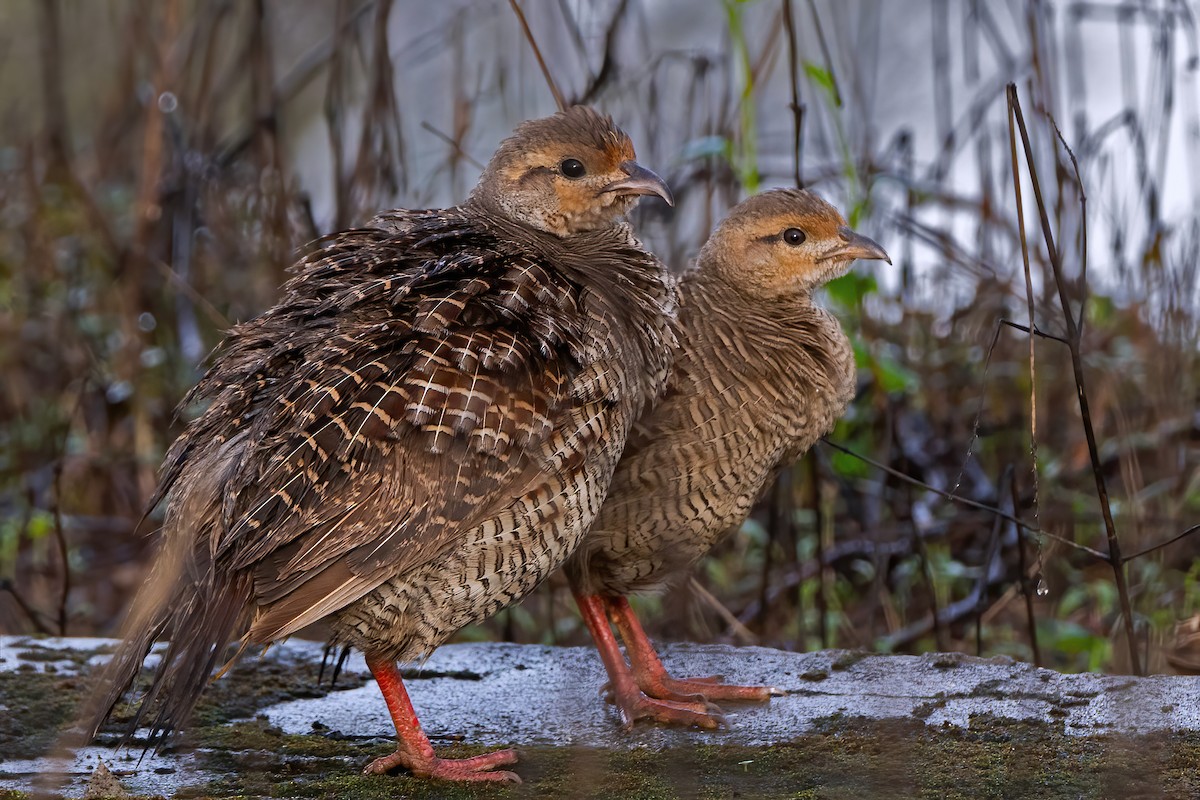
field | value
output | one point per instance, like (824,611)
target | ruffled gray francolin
(418,433)
(761,373)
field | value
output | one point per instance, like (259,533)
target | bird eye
(794,236)
(572,168)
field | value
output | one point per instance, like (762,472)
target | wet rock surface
(849,724)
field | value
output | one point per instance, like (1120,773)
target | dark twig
(939,636)
(735,625)
(325,653)
(797,107)
(1027,586)
(343,654)
(824,524)
(812,464)
(942,93)
(1073,337)
(1034,331)
(60,538)
(833,81)
(1083,243)
(29,611)
(608,66)
(779,522)
(306,70)
(985,573)
(1163,543)
(1013,518)
(1029,304)
(794,578)
(337,667)
(57,134)
(463,154)
(895,473)
(577,35)
(537,52)
(333,104)
(952,613)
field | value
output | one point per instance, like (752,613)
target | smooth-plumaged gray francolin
(418,433)
(761,374)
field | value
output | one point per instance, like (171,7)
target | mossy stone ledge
(850,725)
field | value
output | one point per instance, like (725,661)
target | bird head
(784,242)
(570,172)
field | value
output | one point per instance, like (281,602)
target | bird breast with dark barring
(417,433)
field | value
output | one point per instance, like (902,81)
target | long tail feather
(201,612)
(200,609)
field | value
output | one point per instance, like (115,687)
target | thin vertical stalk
(789,24)
(939,634)
(778,524)
(1073,345)
(1027,587)
(50,51)
(985,573)
(559,100)
(824,528)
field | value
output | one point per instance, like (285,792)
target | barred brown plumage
(417,433)
(761,373)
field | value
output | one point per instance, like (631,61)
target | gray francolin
(419,431)
(761,373)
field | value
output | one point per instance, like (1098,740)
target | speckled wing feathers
(416,378)
(420,385)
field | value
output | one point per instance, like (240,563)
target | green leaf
(821,77)
(849,290)
(847,466)
(40,524)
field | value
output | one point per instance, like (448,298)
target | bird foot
(710,688)
(477,768)
(693,712)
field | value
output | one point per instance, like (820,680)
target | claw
(665,687)
(669,712)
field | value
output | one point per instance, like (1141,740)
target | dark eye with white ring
(572,168)
(794,236)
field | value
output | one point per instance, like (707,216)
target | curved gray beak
(855,245)
(639,181)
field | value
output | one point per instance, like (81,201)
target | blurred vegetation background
(160,161)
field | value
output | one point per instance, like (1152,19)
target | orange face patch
(816,227)
(577,198)
(551,156)
(751,251)
(535,177)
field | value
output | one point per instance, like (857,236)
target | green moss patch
(37,704)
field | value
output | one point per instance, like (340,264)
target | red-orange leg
(630,702)
(414,751)
(652,677)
